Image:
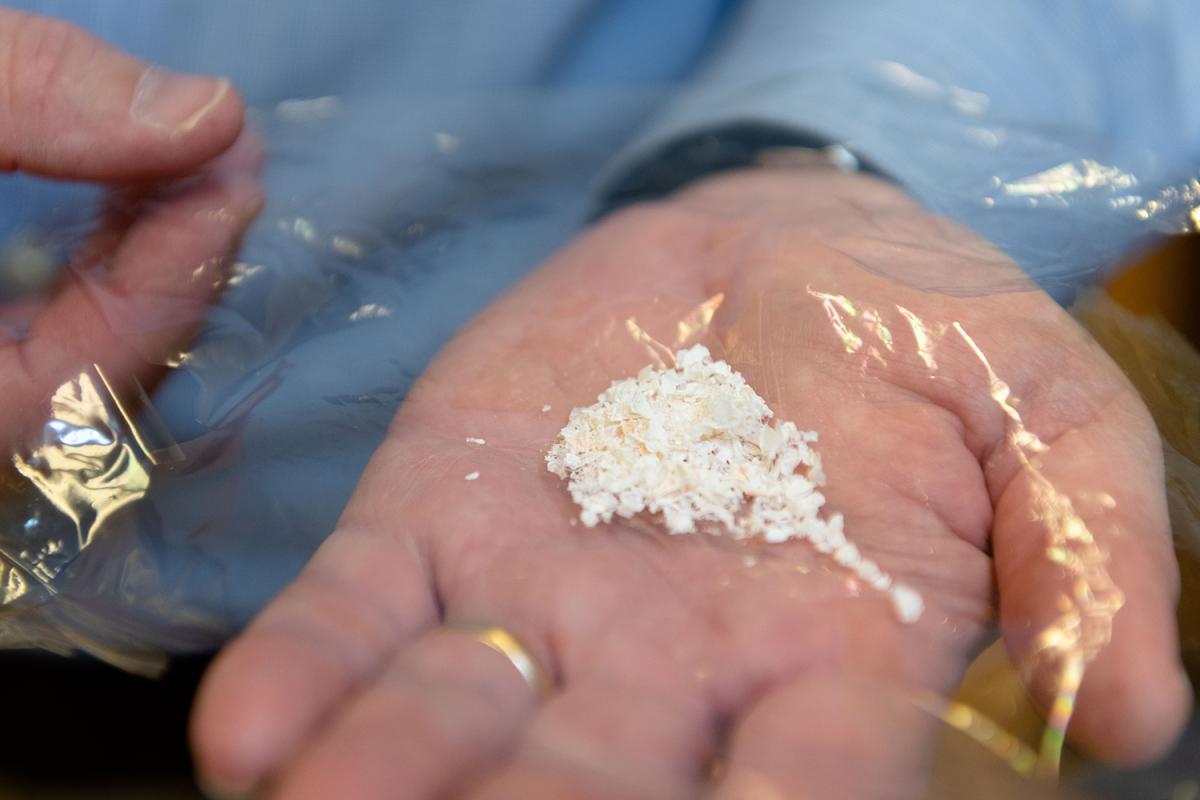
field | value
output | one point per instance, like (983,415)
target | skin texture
(959,444)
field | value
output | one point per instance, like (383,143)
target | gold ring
(509,646)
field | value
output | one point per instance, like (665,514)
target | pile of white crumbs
(694,445)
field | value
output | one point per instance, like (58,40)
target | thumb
(72,107)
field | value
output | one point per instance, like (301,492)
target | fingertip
(222,736)
(75,108)
(258,703)
(1134,699)
(243,721)
(1132,717)
(180,122)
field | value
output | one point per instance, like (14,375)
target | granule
(692,445)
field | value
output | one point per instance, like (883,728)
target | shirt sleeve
(1064,132)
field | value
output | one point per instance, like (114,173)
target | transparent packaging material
(154,502)
(378,228)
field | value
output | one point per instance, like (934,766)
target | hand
(133,294)
(970,431)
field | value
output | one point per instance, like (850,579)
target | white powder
(693,445)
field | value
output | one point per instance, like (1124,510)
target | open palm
(962,430)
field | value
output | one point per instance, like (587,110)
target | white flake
(545,408)
(694,444)
(907,602)
(475,440)
(470,476)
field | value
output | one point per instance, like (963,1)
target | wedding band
(507,645)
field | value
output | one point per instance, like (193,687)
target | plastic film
(138,491)
(154,510)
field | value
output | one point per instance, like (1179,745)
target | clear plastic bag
(156,516)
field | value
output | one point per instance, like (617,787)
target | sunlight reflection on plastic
(346,246)
(1090,601)
(962,100)
(370,311)
(875,329)
(1070,177)
(92,462)
(1084,625)
(13,585)
(926,341)
(240,272)
(83,467)
(872,318)
(1173,209)
(835,305)
(981,729)
(1170,209)
(659,352)
(698,319)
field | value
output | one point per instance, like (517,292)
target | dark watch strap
(733,146)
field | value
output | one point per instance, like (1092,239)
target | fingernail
(175,103)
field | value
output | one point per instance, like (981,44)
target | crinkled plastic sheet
(1045,185)
(155,518)
(139,525)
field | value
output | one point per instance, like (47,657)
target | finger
(72,107)
(136,296)
(611,740)
(1087,577)
(829,735)
(364,593)
(143,282)
(443,709)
